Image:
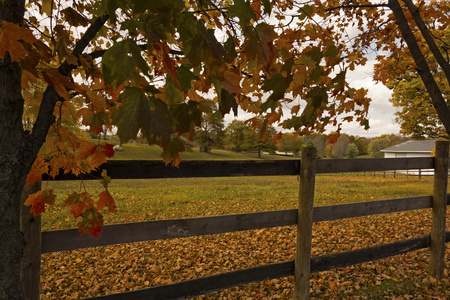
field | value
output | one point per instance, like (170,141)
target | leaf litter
(105,270)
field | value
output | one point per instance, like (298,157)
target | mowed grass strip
(103,270)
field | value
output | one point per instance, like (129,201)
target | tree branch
(45,116)
(351,6)
(428,38)
(422,66)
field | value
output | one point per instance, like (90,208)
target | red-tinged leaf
(332,138)
(231,82)
(79,202)
(106,200)
(91,222)
(87,151)
(39,199)
(108,149)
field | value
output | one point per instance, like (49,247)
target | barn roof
(425,146)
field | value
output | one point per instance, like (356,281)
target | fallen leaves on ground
(112,269)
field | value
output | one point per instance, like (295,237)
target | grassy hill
(138,151)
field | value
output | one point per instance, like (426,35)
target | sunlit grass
(154,199)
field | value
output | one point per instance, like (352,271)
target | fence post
(439,209)
(304,223)
(30,268)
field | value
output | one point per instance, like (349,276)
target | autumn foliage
(152,68)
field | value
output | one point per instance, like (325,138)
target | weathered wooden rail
(70,239)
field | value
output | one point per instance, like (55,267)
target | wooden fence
(304,264)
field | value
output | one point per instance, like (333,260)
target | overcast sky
(381,111)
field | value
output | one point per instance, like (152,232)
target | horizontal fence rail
(126,169)
(214,283)
(70,239)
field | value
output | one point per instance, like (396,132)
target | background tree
(352,151)
(235,134)
(290,143)
(212,130)
(417,116)
(375,146)
(319,141)
(264,145)
(339,149)
(363,144)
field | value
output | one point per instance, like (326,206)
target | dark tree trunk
(14,163)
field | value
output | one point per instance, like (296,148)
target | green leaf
(316,73)
(185,76)
(139,112)
(278,84)
(242,10)
(171,153)
(305,11)
(267,6)
(315,54)
(332,52)
(123,62)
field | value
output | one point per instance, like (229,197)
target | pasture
(102,270)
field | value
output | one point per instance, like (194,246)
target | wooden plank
(352,210)
(439,213)
(343,259)
(30,266)
(304,223)
(70,239)
(132,169)
(205,285)
(373,164)
(127,169)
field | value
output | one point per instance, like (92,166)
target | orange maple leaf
(106,200)
(39,199)
(79,202)
(12,39)
(40,166)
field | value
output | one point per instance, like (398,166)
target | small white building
(410,149)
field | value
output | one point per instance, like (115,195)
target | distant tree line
(241,136)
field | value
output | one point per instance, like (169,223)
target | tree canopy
(147,67)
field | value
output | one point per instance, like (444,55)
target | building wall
(405,154)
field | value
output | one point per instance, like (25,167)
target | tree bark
(423,69)
(12,170)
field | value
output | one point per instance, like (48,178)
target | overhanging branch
(422,66)
(445,65)
(45,116)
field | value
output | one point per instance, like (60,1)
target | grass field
(103,270)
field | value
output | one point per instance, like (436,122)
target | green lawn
(118,268)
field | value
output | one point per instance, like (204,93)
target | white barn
(410,149)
